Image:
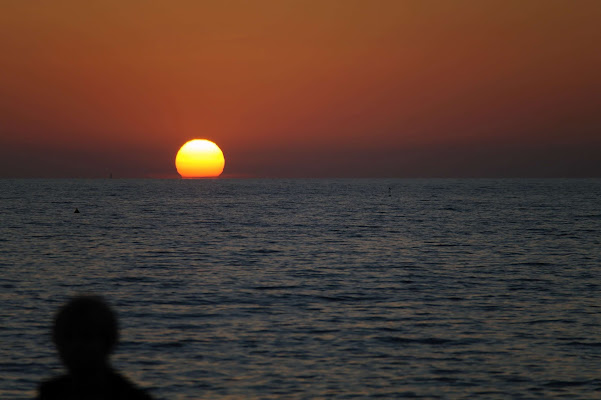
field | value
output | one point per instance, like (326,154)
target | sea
(312,288)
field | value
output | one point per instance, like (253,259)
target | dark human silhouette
(85,333)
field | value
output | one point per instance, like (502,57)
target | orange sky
(302,88)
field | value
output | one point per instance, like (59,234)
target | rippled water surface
(301,289)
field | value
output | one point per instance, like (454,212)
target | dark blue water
(302,289)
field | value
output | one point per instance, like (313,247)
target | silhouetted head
(85,333)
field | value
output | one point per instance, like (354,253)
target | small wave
(133,279)
(560,384)
(317,331)
(588,216)
(266,251)
(431,340)
(531,280)
(349,298)
(412,395)
(516,379)
(446,371)
(167,345)
(584,344)
(550,321)
(530,264)
(274,287)
(184,327)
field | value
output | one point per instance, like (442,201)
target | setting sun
(199,158)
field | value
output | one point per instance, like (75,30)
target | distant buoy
(76,211)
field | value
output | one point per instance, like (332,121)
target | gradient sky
(344,88)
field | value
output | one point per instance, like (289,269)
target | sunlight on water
(313,288)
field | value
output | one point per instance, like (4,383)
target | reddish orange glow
(312,88)
(199,158)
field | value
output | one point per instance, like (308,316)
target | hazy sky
(344,88)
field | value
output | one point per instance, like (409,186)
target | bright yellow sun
(199,158)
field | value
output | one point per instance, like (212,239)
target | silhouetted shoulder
(54,388)
(117,387)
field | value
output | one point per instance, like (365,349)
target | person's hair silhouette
(85,333)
